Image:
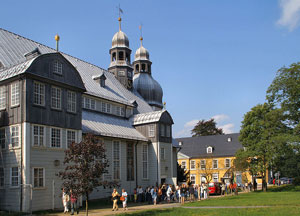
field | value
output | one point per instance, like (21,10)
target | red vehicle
(214,188)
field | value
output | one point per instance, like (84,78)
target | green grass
(283,201)
(276,211)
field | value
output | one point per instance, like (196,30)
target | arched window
(143,67)
(121,55)
(137,68)
(113,56)
(149,68)
(127,57)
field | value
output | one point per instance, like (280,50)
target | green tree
(285,92)
(261,135)
(85,164)
(182,174)
(206,128)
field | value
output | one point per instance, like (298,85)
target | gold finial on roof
(119,19)
(165,105)
(57,38)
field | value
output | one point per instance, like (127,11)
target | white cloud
(186,131)
(220,118)
(188,126)
(191,124)
(228,128)
(290,14)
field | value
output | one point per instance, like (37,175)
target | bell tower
(120,63)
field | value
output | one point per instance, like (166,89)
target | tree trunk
(87,205)
(264,181)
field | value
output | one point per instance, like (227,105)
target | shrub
(296,181)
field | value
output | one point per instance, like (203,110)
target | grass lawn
(282,201)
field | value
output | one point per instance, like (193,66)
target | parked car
(286,180)
(214,188)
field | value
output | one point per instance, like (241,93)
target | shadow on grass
(284,188)
(152,212)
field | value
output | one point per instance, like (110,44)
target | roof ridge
(51,48)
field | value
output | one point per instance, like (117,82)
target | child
(124,199)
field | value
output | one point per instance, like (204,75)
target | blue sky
(213,58)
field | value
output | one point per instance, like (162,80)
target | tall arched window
(113,56)
(137,68)
(121,55)
(127,57)
(143,67)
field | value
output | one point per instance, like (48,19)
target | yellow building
(210,158)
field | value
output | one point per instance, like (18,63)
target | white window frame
(193,163)
(60,138)
(71,101)
(2,177)
(116,160)
(103,107)
(162,153)
(118,110)
(15,94)
(57,67)
(39,94)
(56,98)
(67,137)
(39,135)
(204,164)
(3,146)
(216,163)
(33,177)
(122,111)
(209,150)
(108,108)
(11,176)
(227,167)
(215,175)
(2,97)
(193,176)
(151,129)
(145,162)
(183,166)
(18,137)
(93,104)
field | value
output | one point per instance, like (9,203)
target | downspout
(22,150)
(136,174)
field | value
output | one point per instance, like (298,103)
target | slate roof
(12,50)
(195,147)
(110,126)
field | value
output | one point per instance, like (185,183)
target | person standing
(169,193)
(74,206)
(124,199)
(115,196)
(182,192)
(65,200)
(154,196)
(223,189)
(205,191)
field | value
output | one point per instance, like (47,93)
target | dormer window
(209,150)
(102,80)
(229,139)
(57,67)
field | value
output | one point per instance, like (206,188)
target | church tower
(120,63)
(143,81)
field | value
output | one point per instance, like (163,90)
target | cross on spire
(119,19)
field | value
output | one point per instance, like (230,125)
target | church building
(49,99)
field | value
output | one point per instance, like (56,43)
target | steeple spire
(119,19)
(141,38)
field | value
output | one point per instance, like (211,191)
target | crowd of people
(165,193)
